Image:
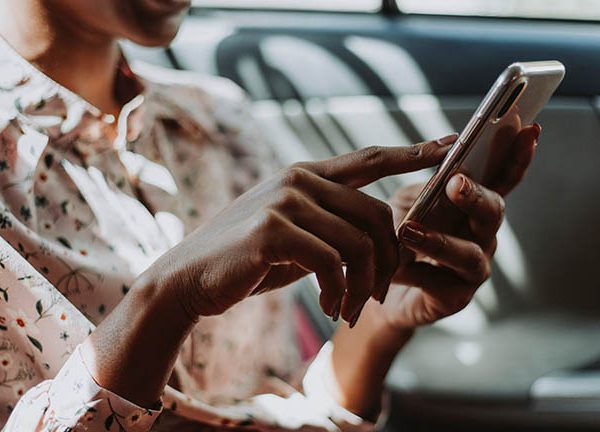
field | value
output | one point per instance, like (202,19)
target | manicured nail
(465,186)
(412,233)
(355,318)
(336,311)
(383,297)
(447,140)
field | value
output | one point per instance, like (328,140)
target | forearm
(362,357)
(133,351)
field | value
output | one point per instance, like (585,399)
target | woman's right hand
(310,218)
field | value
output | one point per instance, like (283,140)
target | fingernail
(383,297)
(412,233)
(465,186)
(447,140)
(336,311)
(356,317)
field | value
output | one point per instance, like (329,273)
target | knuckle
(440,245)
(493,247)
(294,176)
(480,265)
(302,165)
(416,152)
(332,259)
(269,222)
(486,272)
(501,209)
(371,156)
(289,200)
(384,212)
(478,194)
(266,232)
(462,301)
(365,248)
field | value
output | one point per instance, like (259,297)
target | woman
(126,201)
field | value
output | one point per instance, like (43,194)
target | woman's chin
(165,7)
(157,36)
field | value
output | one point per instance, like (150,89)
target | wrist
(389,339)
(146,328)
(360,368)
(155,292)
(361,359)
(384,336)
(162,282)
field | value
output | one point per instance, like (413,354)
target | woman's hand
(441,267)
(309,218)
(445,262)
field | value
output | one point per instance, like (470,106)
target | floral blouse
(87,202)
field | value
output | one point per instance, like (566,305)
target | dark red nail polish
(336,311)
(384,296)
(412,233)
(356,317)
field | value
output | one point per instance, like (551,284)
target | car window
(331,5)
(588,10)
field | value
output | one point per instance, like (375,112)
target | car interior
(326,80)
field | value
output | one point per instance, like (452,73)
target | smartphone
(482,149)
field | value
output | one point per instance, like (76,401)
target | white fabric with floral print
(84,210)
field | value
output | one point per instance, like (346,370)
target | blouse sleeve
(44,384)
(313,409)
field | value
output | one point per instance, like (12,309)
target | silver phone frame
(506,83)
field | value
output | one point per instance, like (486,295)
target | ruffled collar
(40,103)
(71,123)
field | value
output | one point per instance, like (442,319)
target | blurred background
(331,76)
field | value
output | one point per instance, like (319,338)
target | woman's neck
(84,62)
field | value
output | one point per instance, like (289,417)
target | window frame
(390,8)
(540,18)
(385,7)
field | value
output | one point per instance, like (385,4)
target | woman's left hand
(443,264)
(441,268)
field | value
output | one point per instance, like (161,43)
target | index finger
(365,166)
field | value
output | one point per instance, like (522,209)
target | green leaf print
(39,308)
(64,242)
(63,206)
(36,343)
(109,422)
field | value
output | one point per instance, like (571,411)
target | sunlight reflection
(511,260)
(471,321)
(426,114)
(468,353)
(394,65)
(322,74)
